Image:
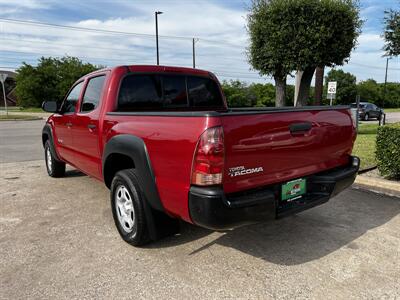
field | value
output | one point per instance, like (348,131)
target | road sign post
(3,78)
(332,91)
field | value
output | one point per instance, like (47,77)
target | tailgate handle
(300,127)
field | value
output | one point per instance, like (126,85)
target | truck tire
(127,204)
(54,167)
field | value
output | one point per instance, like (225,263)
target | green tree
(238,94)
(291,35)
(264,93)
(49,80)
(392,33)
(392,98)
(369,91)
(346,91)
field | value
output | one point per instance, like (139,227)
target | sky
(219,28)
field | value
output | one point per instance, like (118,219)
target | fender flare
(47,130)
(135,148)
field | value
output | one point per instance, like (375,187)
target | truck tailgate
(263,148)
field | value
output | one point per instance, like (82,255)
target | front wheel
(366,117)
(54,167)
(127,202)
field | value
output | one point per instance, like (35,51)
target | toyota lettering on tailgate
(241,170)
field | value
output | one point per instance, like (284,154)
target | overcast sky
(219,26)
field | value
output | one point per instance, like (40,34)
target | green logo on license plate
(293,189)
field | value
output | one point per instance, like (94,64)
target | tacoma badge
(241,170)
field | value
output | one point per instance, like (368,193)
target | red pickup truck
(168,147)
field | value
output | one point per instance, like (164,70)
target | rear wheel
(366,117)
(54,167)
(127,204)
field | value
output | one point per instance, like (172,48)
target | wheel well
(116,162)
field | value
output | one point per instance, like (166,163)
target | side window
(92,94)
(174,88)
(140,92)
(72,99)
(204,92)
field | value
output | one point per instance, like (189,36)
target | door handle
(300,127)
(68,124)
(91,127)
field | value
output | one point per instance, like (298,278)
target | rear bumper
(210,207)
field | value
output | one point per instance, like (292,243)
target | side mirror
(50,106)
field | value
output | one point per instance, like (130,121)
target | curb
(378,185)
(28,119)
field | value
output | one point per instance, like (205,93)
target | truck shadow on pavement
(304,237)
(74,173)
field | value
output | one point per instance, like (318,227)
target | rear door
(85,129)
(63,123)
(375,110)
(268,148)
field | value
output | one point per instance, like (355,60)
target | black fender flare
(135,148)
(47,130)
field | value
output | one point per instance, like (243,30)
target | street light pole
(384,90)
(156,17)
(3,78)
(5,98)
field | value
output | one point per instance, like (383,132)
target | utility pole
(156,17)
(384,90)
(194,40)
(194,53)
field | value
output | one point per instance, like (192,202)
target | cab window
(91,98)
(69,105)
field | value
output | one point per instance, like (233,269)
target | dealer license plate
(293,189)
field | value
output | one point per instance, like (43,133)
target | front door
(63,124)
(85,129)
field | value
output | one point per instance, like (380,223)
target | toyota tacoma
(164,142)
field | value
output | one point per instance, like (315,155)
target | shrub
(388,150)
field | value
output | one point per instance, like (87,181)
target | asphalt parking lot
(58,241)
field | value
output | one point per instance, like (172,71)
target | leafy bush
(388,150)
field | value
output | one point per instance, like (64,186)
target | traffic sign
(332,87)
(3,77)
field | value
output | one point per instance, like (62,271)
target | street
(58,240)
(21,140)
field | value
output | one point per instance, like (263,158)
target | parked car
(368,111)
(164,142)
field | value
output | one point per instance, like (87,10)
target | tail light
(208,160)
(354,116)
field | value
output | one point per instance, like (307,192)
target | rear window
(140,92)
(166,91)
(203,92)
(174,88)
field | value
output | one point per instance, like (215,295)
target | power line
(101,48)
(42,24)
(144,35)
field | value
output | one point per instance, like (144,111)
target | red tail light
(208,161)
